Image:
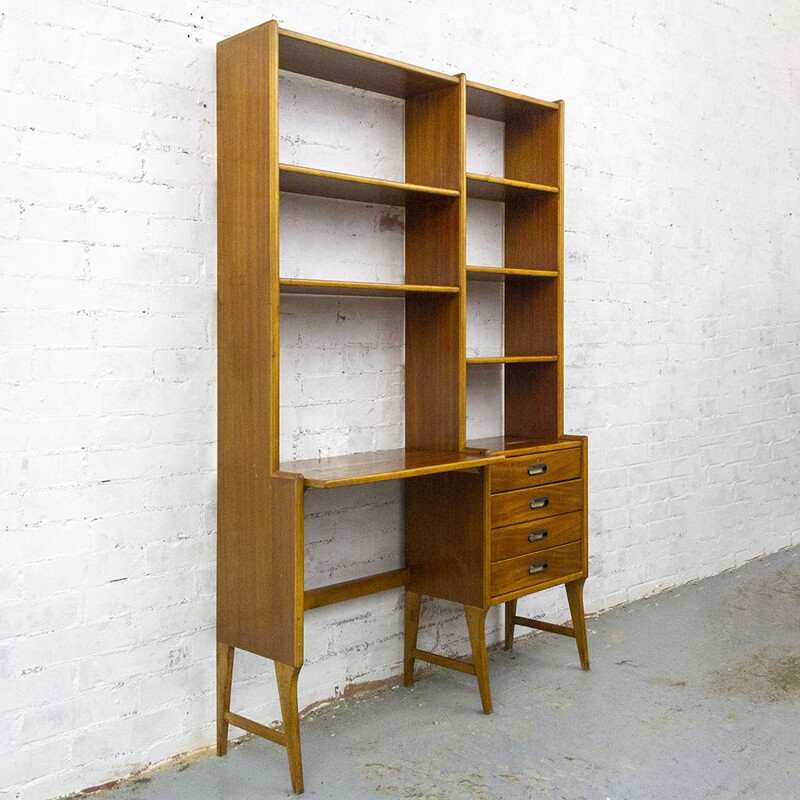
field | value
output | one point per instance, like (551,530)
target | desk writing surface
(517,445)
(382,465)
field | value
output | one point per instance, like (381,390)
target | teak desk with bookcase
(486,521)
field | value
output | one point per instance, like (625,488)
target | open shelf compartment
(501,104)
(532,139)
(340,186)
(316,58)
(514,401)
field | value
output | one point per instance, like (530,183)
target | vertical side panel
(560,257)
(447,515)
(259,573)
(259,517)
(273,176)
(585,472)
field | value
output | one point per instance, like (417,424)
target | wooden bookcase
(486,521)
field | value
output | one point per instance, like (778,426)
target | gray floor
(692,694)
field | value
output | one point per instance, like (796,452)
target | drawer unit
(530,537)
(510,508)
(543,566)
(536,469)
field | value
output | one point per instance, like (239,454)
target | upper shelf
(323,183)
(501,273)
(491,103)
(317,58)
(487,187)
(383,465)
(360,289)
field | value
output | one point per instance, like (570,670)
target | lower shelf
(360,289)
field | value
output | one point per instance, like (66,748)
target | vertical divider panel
(435,242)
(260,521)
(462,265)
(447,516)
(454,506)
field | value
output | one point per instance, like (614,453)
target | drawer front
(509,508)
(536,469)
(530,537)
(528,571)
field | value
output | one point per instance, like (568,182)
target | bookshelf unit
(487,520)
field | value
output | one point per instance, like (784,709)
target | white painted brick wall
(682,330)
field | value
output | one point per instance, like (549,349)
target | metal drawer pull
(539,502)
(537,536)
(537,469)
(535,569)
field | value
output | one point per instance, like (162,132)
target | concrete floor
(694,693)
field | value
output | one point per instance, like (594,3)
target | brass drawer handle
(535,569)
(539,502)
(537,469)
(537,536)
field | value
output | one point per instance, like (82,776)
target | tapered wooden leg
(286,675)
(575,598)
(476,618)
(511,612)
(224,682)
(410,636)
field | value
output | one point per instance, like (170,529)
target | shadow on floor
(693,693)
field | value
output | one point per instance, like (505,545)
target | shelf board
(339,185)
(501,273)
(515,445)
(383,465)
(357,289)
(490,103)
(487,187)
(347,66)
(512,360)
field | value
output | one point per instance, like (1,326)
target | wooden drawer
(536,469)
(530,537)
(528,571)
(509,508)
